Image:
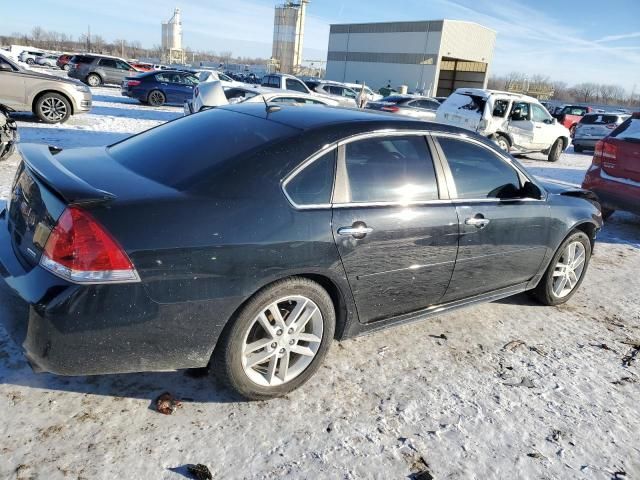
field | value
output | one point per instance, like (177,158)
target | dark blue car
(159,87)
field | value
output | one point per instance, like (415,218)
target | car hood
(53,78)
(556,187)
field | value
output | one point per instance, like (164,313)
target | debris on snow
(166,404)
(631,356)
(513,345)
(442,336)
(200,472)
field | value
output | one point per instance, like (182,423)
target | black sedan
(248,237)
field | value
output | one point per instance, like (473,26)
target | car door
(396,232)
(12,86)
(503,215)
(123,69)
(521,126)
(544,134)
(110,71)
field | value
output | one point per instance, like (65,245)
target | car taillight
(604,151)
(611,126)
(80,250)
(133,83)
(391,108)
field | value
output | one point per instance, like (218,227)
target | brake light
(391,108)
(80,250)
(133,83)
(604,151)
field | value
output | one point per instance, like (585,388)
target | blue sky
(571,40)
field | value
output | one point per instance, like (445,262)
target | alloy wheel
(156,98)
(568,270)
(282,341)
(53,109)
(93,80)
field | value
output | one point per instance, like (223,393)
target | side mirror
(529,190)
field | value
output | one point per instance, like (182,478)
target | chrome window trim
(312,158)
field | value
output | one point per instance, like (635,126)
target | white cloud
(615,38)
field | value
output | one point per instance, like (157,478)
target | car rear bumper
(614,193)
(97,329)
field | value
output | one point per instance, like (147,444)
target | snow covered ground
(509,389)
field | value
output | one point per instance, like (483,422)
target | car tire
(94,80)
(503,143)
(551,290)
(30,61)
(268,377)
(607,212)
(556,150)
(66,67)
(156,98)
(52,108)
(578,149)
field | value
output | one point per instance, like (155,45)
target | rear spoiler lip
(74,190)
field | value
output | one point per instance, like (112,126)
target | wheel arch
(501,133)
(589,228)
(40,94)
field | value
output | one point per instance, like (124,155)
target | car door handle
(357,230)
(477,221)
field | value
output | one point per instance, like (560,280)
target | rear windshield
(629,130)
(180,152)
(574,110)
(599,119)
(473,103)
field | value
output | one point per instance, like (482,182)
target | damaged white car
(214,94)
(517,123)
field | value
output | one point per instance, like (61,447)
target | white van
(515,122)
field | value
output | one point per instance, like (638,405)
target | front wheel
(53,108)
(277,341)
(30,61)
(566,270)
(156,98)
(556,150)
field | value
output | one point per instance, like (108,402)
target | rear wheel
(30,61)
(156,98)
(277,341)
(566,270)
(94,80)
(556,150)
(502,142)
(52,108)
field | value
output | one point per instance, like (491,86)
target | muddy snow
(509,389)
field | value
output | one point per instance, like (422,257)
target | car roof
(318,117)
(482,92)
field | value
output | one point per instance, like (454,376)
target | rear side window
(478,172)
(390,169)
(295,85)
(81,59)
(500,108)
(181,152)
(314,184)
(629,130)
(108,62)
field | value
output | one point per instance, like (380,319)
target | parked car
(142,67)
(337,91)
(415,106)
(284,82)
(614,175)
(215,94)
(63,61)
(358,87)
(515,122)
(570,116)
(47,60)
(52,99)
(30,56)
(96,70)
(249,238)
(595,126)
(157,88)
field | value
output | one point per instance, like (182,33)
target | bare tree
(585,92)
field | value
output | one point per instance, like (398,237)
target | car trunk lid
(41,191)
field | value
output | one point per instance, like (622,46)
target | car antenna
(270,108)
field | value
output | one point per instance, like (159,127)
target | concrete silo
(172,51)
(288,35)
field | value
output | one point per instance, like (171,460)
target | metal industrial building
(288,35)
(434,56)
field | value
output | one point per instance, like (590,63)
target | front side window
(313,185)
(520,111)
(539,114)
(347,92)
(390,169)
(295,85)
(479,173)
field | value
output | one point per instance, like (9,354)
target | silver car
(415,106)
(594,127)
(52,99)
